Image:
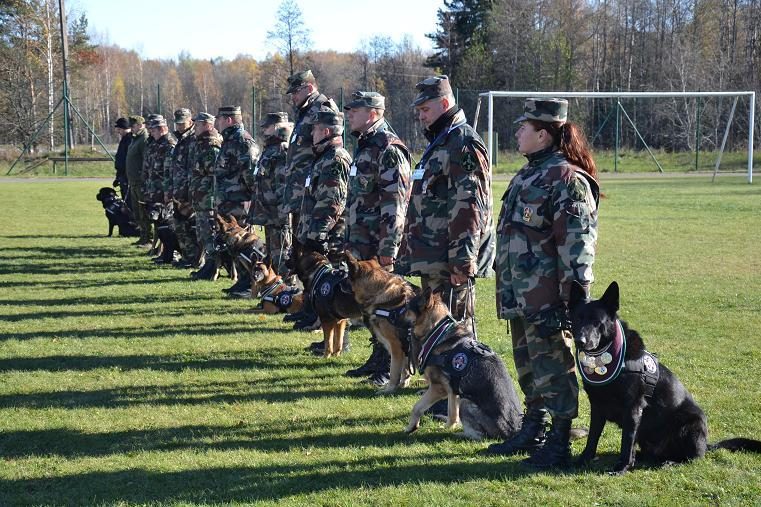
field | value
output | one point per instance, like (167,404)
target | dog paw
(409,430)
(619,469)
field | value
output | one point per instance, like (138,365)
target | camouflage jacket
(270,183)
(449,218)
(203,156)
(300,155)
(160,164)
(235,165)
(379,189)
(325,190)
(148,155)
(546,232)
(177,178)
(136,155)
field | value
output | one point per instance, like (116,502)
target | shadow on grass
(79,283)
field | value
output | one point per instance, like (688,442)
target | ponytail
(570,139)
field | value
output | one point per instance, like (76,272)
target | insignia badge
(576,190)
(325,289)
(469,162)
(527,214)
(601,370)
(285,300)
(460,361)
(649,363)
(606,358)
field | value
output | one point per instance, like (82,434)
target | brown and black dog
(383,297)
(242,244)
(330,295)
(276,295)
(457,367)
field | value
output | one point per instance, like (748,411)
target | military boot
(556,451)
(241,289)
(207,272)
(373,363)
(382,373)
(530,437)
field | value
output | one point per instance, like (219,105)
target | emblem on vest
(460,361)
(649,364)
(325,289)
(285,300)
(527,213)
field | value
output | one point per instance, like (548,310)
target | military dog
(462,370)
(628,386)
(276,295)
(383,297)
(240,243)
(165,243)
(330,294)
(117,212)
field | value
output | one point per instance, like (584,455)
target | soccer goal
(615,99)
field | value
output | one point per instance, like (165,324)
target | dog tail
(737,444)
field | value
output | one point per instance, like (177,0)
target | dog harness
(252,254)
(601,367)
(394,317)
(323,288)
(282,299)
(439,331)
(456,363)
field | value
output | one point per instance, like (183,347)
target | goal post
(490,95)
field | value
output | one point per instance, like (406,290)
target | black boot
(294,317)
(556,451)
(241,289)
(530,437)
(382,373)
(318,348)
(375,362)
(243,282)
(207,272)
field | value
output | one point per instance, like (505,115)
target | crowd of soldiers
(303,187)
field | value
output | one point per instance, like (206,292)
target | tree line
(545,45)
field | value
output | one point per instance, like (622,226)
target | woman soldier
(545,242)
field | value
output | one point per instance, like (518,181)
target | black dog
(117,212)
(161,215)
(628,386)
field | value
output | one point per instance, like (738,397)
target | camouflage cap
(122,123)
(157,122)
(299,79)
(182,115)
(136,120)
(228,111)
(153,116)
(328,118)
(548,110)
(431,88)
(204,117)
(366,99)
(274,119)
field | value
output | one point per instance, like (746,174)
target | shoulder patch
(469,161)
(390,158)
(576,189)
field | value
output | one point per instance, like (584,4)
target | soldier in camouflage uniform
(307,101)
(269,175)
(233,174)
(547,232)
(448,232)
(379,189)
(176,188)
(203,157)
(159,165)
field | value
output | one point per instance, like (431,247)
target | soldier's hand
(457,280)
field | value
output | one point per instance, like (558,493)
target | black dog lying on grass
(629,386)
(117,212)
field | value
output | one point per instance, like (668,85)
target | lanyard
(435,142)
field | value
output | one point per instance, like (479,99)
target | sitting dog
(329,293)
(161,215)
(276,295)
(117,212)
(629,386)
(241,243)
(383,298)
(462,370)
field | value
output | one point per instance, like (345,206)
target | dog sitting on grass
(117,212)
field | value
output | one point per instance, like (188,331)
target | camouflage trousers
(186,237)
(461,300)
(277,238)
(141,217)
(205,227)
(546,369)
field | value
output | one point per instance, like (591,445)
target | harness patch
(460,361)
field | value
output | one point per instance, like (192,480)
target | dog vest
(456,363)
(324,287)
(601,367)
(282,299)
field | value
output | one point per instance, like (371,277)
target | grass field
(123,383)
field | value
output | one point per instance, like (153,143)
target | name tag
(418,173)
(353,170)
(256,169)
(293,137)
(308,181)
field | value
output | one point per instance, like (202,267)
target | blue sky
(164,28)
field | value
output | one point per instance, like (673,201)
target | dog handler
(546,238)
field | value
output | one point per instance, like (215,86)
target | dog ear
(611,298)
(352,264)
(267,261)
(578,294)
(428,298)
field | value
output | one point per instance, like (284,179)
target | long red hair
(572,142)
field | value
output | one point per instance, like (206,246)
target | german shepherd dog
(117,212)
(383,298)
(241,243)
(629,387)
(329,293)
(165,243)
(462,370)
(276,295)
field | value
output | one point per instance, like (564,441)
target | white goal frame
(621,95)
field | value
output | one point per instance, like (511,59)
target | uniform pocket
(531,208)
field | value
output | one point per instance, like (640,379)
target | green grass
(123,383)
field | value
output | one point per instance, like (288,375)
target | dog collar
(601,367)
(433,338)
(394,315)
(266,291)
